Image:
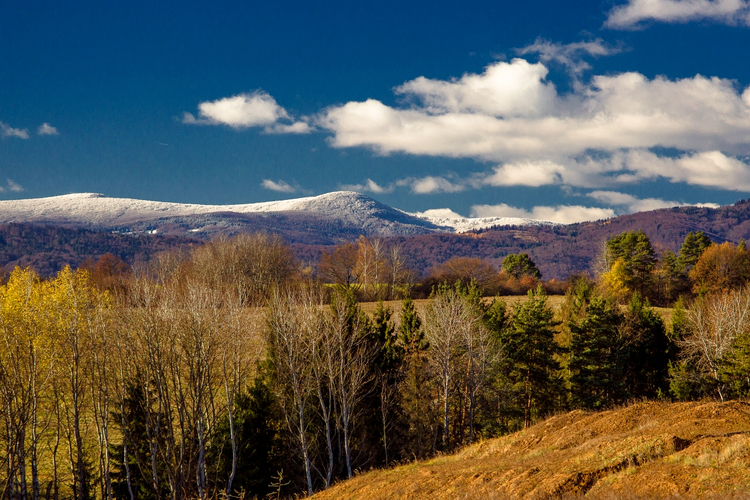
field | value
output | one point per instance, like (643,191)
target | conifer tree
(415,388)
(691,250)
(519,265)
(258,442)
(529,352)
(596,379)
(638,256)
(384,413)
(646,350)
(735,367)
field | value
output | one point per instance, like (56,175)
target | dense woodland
(233,370)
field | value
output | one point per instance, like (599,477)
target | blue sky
(564,110)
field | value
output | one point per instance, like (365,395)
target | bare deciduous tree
(292,319)
(714,323)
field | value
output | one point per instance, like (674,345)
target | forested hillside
(231,369)
(48,249)
(560,251)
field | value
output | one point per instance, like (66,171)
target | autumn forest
(232,369)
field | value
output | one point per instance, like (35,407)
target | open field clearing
(647,450)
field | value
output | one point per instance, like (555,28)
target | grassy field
(647,450)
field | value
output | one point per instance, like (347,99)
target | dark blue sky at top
(114,78)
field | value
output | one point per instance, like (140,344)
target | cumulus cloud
(368,186)
(46,129)
(633,204)
(8,131)
(12,186)
(257,109)
(633,14)
(440,213)
(569,55)
(600,134)
(564,214)
(432,184)
(526,173)
(279,186)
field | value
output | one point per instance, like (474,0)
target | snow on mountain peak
(349,208)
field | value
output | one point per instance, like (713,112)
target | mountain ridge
(559,250)
(345,208)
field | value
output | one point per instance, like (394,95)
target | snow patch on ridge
(350,208)
(445,217)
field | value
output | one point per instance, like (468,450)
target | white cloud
(280,186)
(368,186)
(504,89)
(8,131)
(610,113)
(294,128)
(257,109)
(708,168)
(12,186)
(46,129)
(630,202)
(633,204)
(565,214)
(600,134)
(440,213)
(526,173)
(431,184)
(633,14)
(569,55)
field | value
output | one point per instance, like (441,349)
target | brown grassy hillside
(647,450)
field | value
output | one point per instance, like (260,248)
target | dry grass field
(646,450)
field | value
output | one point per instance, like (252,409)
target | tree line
(228,370)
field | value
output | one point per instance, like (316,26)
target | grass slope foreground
(647,450)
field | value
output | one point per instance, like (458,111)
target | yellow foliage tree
(613,282)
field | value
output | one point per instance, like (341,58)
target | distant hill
(47,249)
(648,450)
(561,251)
(67,229)
(328,218)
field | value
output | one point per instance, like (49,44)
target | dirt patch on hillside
(647,450)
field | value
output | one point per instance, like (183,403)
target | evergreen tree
(390,352)
(596,378)
(410,330)
(143,429)
(520,265)
(388,421)
(415,387)
(646,350)
(499,400)
(258,443)
(638,256)
(735,367)
(673,281)
(572,310)
(529,350)
(691,250)
(359,351)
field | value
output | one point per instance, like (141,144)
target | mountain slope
(561,251)
(343,211)
(648,450)
(47,249)
(312,224)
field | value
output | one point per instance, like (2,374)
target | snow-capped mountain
(345,211)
